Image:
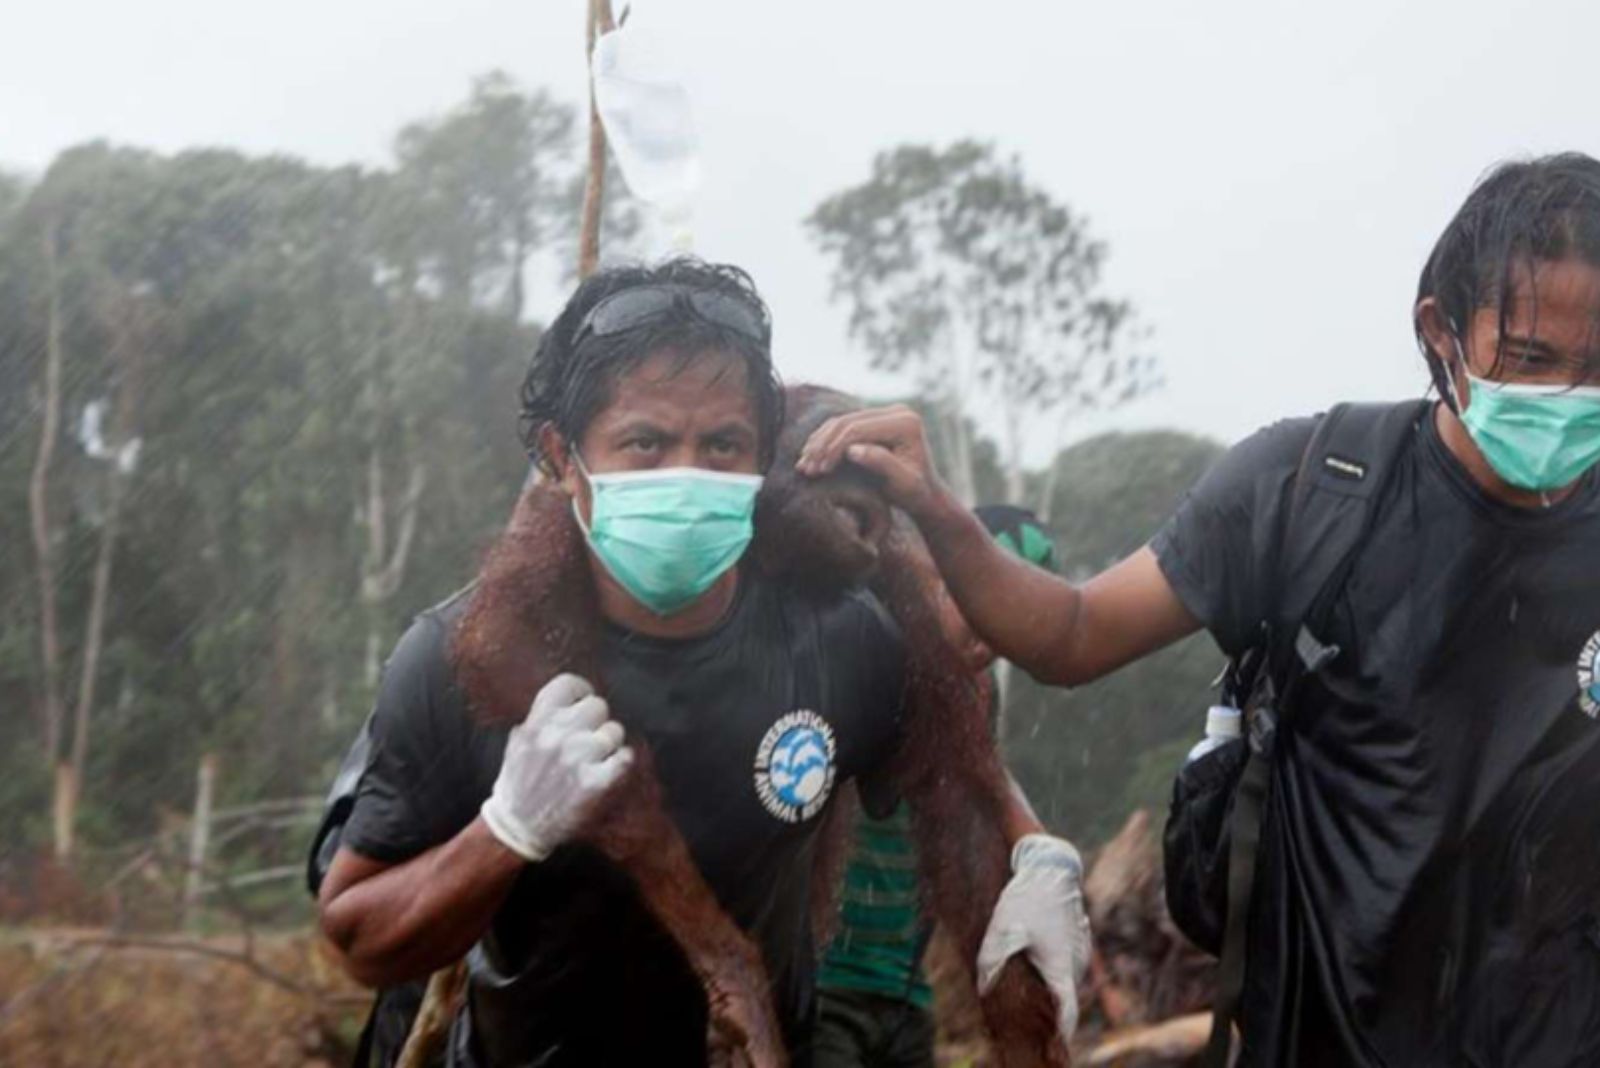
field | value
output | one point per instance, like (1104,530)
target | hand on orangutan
(889,442)
(1040,912)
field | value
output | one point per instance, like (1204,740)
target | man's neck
(1459,441)
(699,617)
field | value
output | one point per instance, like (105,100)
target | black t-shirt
(1428,888)
(752,726)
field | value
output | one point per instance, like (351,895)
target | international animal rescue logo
(795,766)
(1589,678)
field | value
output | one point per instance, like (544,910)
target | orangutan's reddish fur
(534,614)
(950,773)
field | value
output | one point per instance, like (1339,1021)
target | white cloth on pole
(650,126)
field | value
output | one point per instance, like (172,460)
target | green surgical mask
(1536,437)
(668,535)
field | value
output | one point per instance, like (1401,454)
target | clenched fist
(559,765)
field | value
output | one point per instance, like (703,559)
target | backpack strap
(1344,475)
(336,812)
(1345,472)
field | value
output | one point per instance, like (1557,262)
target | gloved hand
(560,763)
(1041,912)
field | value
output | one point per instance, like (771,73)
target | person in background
(876,1007)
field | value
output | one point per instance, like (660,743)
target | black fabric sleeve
(419,788)
(1219,550)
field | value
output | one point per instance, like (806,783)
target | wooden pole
(432,1025)
(594,187)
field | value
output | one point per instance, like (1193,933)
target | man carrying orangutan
(652,402)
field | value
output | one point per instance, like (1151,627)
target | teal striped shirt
(880,924)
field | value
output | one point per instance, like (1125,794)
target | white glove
(1041,911)
(560,763)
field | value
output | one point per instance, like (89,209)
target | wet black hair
(569,382)
(1520,213)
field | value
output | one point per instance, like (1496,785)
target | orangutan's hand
(889,442)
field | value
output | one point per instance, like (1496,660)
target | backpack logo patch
(1340,467)
(1589,678)
(795,766)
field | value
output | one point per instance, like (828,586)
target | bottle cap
(1224,722)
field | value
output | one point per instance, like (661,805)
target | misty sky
(1269,175)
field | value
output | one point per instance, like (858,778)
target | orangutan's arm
(966,811)
(635,831)
(1017,816)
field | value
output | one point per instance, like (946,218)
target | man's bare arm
(1060,633)
(394,923)
(1057,632)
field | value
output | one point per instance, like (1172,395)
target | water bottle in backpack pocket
(1223,724)
(1195,840)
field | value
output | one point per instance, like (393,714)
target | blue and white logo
(1589,678)
(794,766)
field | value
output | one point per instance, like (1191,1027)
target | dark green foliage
(1088,756)
(301,352)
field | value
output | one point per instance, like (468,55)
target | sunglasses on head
(641,305)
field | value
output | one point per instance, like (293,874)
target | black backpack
(1214,821)
(393,1008)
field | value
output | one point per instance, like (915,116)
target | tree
(13,190)
(23,771)
(254,414)
(482,188)
(209,363)
(475,195)
(96,295)
(987,291)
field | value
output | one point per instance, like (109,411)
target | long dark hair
(1520,213)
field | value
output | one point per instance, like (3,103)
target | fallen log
(1175,1041)
(1148,970)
